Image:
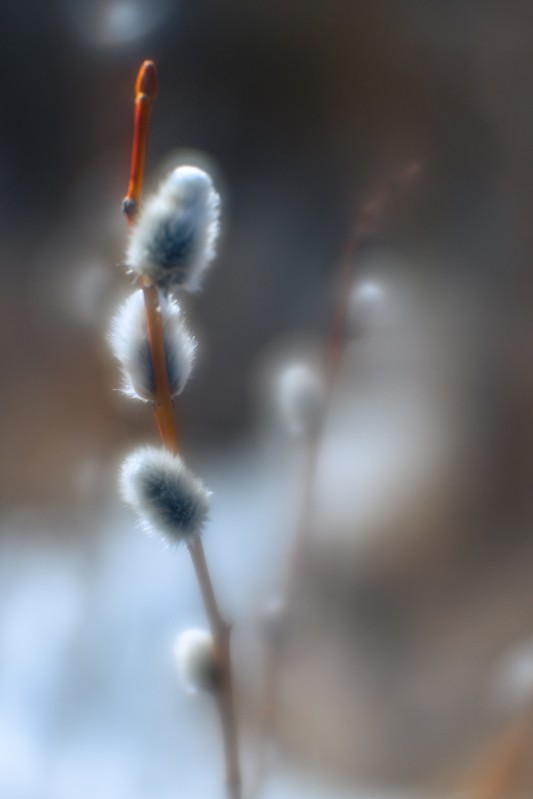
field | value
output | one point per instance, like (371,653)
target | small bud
(129,341)
(169,499)
(368,305)
(512,680)
(195,659)
(300,397)
(174,238)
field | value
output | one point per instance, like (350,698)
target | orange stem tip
(145,92)
(146,82)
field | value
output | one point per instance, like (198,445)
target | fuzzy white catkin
(300,396)
(195,661)
(168,498)
(174,238)
(129,342)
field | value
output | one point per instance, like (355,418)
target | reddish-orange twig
(145,94)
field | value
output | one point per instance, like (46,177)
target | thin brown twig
(369,220)
(145,91)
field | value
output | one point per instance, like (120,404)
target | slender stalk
(221,632)
(145,91)
(163,408)
(369,220)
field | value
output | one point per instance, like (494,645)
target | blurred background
(408,664)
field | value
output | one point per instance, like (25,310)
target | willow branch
(145,92)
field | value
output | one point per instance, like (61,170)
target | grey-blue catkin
(174,237)
(174,366)
(129,341)
(169,499)
(173,245)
